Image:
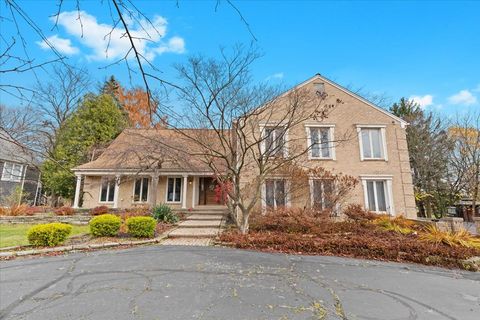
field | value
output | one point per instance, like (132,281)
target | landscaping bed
(125,228)
(302,232)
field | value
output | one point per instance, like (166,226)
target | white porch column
(153,190)
(117,190)
(194,191)
(76,201)
(184,192)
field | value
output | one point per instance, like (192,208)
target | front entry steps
(199,228)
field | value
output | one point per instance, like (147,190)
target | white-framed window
(372,142)
(320,142)
(322,193)
(107,190)
(274,141)
(12,172)
(378,194)
(140,190)
(174,189)
(275,193)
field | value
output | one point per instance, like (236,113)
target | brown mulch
(297,233)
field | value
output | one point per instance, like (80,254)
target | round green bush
(48,234)
(105,225)
(164,213)
(141,227)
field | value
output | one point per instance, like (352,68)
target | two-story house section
(357,138)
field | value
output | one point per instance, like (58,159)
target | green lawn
(16,234)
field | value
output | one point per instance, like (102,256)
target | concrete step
(208,212)
(193,232)
(213,217)
(200,224)
(187,242)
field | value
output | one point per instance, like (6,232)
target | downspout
(23,183)
(38,189)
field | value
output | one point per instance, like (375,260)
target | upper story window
(140,190)
(372,143)
(320,142)
(107,191)
(12,172)
(274,141)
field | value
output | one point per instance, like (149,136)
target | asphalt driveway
(171,282)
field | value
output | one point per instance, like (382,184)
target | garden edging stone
(8,254)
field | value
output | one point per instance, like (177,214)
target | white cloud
(62,45)
(108,44)
(278,75)
(464,97)
(423,101)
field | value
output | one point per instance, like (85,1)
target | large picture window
(140,190)
(12,172)
(320,142)
(372,143)
(107,191)
(174,189)
(275,193)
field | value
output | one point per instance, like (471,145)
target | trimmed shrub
(357,213)
(105,225)
(164,213)
(49,234)
(99,210)
(31,211)
(64,211)
(141,227)
(15,210)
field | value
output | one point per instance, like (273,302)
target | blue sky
(429,51)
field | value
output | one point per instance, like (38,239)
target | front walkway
(199,229)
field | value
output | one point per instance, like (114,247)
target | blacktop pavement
(189,282)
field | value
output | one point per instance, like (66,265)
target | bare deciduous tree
(248,124)
(465,158)
(58,98)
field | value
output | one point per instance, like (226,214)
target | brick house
(133,171)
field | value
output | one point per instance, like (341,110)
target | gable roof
(318,76)
(15,152)
(141,150)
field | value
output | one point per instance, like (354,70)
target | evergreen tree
(95,123)
(429,146)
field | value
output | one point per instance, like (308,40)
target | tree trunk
(244,226)
(428,208)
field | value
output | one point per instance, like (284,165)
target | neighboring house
(19,171)
(170,172)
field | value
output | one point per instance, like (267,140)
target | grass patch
(16,234)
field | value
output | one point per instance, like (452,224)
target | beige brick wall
(92,185)
(345,118)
